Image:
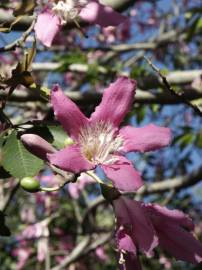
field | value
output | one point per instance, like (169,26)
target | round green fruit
(30,184)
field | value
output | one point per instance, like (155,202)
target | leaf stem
(95,177)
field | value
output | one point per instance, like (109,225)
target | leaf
(3,173)
(71,58)
(140,114)
(59,136)
(4,230)
(30,55)
(41,131)
(193,27)
(17,160)
(199,139)
(26,62)
(184,140)
(21,73)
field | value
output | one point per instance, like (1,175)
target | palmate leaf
(17,160)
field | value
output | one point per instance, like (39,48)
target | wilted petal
(116,102)
(180,243)
(123,175)
(146,138)
(96,13)
(37,145)
(46,27)
(165,215)
(70,159)
(67,112)
(131,215)
(173,237)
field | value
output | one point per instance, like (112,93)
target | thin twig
(19,42)
(178,96)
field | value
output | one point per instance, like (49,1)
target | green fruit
(30,184)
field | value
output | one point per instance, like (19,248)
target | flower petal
(171,223)
(165,215)
(70,159)
(116,102)
(67,112)
(123,175)
(132,216)
(180,243)
(96,13)
(146,138)
(46,27)
(124,241)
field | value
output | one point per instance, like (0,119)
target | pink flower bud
(37,145)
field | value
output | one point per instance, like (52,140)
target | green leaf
(17,160)
(3,174)
(59,136)
(4,230)
(199,139)
(74,57)
(184,140)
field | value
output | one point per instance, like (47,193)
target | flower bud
(37,145)
(109,193)
(30,184)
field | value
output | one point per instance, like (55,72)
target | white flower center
(98,142)
(68,9)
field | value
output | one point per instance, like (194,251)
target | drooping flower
(141,227)
(98,141)
(51,19)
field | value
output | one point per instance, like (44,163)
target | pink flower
(42,248)
(101,254)
(144,226)
(47,26)
(50,20)
(37,230)
(165,262)
(98,141)
(22,254)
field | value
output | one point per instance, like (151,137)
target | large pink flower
(54,16)
(98,140)
(144,226)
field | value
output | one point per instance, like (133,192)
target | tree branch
(92,98)
(178,96)
(82,249)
